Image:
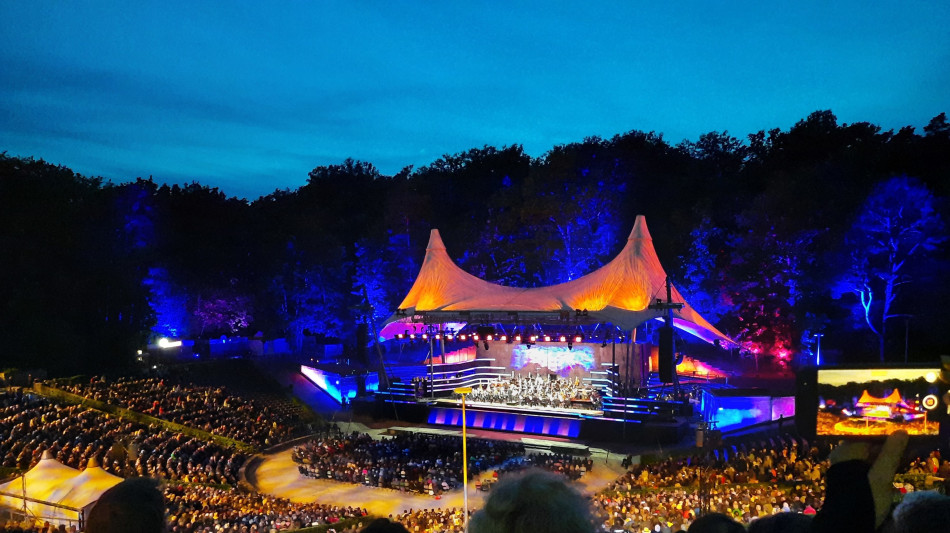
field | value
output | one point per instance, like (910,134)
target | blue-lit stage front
(423,394)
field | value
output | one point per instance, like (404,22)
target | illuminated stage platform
(628,419)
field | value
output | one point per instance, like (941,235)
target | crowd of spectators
(448,520)
(570,466)
(537,391)
(195,508)
(412,462)
(73,434)
(209,408)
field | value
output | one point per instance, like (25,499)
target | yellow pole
(463,391)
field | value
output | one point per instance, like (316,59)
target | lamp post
(463,391)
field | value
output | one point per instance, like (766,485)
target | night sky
(249,96)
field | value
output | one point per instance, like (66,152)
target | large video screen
(557,359)
(878,401)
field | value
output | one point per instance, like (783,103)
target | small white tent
(62,489)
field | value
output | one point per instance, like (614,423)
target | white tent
(620,292)
(55,483)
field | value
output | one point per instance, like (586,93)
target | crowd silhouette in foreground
(779,484)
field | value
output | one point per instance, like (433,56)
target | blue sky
(250,96)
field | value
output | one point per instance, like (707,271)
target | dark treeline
(827,228)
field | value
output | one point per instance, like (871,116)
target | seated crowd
(746,482)
(537,391)
(193,508)
(413,462)
(31,424)
(570,466)
(209,408)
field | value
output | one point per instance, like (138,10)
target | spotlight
(503,338)
(517,338)
(578,338)
(547,338)
(563,338)
(488,338)
(463,337)
(475,337)
(425,336)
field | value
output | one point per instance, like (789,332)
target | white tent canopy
(55,483)
(620,292)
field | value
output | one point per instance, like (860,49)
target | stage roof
(619,293)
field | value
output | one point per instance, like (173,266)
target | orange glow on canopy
(619,292)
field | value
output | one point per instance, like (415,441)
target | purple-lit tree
(897,225)
(763,280)
(222,312)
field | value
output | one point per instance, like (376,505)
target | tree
(897,225)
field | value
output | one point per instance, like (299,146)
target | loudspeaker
(665,362)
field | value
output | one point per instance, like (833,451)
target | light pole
(463,391)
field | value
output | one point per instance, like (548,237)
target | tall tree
(898,225)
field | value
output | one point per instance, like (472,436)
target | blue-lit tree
(897,226)
(572,202)
(701,283)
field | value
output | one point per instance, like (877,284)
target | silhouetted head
(534,502)
(715,523)
(384,525)
(782,523)
(135,505)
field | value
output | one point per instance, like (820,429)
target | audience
(413,462)
(209,408)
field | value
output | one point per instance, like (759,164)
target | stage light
(449,336)
(412,336)
(400,336)
(563,338)
(518,338)
(425,336)
(502,338)
(547,338)
(463,337)
(475,337)
(578,338)
(488,338)
(533,338)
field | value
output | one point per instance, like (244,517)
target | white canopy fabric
(619,292)
(53,482)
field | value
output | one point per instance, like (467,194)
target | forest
(825,229)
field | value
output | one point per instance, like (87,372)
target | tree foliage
(757,233)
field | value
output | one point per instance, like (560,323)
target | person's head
(532,502)
(384,525)
(715,523)
(922,511)
(782,523)
(135,505)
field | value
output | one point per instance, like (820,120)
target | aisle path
(277,474)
